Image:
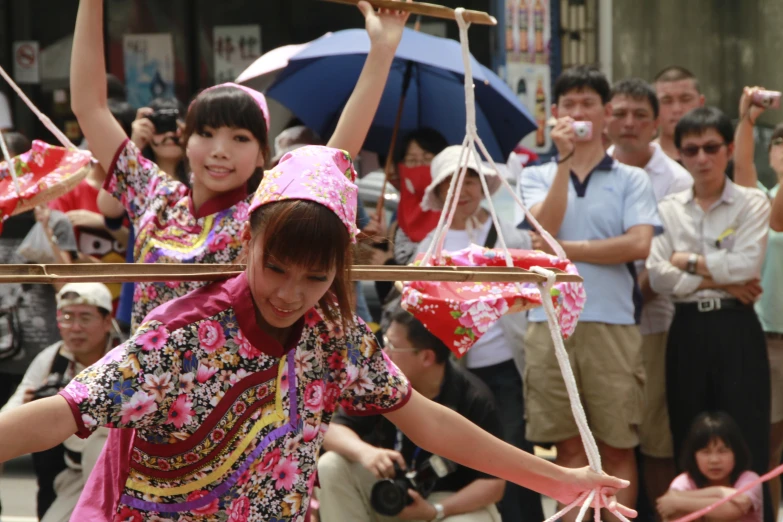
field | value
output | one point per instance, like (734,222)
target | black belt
(711,305)
(774,336)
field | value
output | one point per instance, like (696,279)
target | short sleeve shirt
(217,420)
(683,482)
(462,392)
(769,307)
(168,229)
(612,199)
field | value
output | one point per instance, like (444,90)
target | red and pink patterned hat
(314,173)
(257,96)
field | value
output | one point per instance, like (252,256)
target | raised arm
(21,428)
(385,31)
(745,173)
(88,85)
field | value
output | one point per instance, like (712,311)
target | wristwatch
(440,513)
(693,260)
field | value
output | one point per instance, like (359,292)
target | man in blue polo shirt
(604,214)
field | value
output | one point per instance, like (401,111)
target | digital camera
(165,120)
(583,130)
(766,99)
(390,496)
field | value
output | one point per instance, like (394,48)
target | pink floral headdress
(259,98)
(314,173)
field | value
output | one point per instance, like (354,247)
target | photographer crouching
(85,324)
(372,472)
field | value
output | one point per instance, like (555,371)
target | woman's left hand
(583,480)
(384,26)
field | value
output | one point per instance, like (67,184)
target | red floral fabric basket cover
(44,167)
(460,313)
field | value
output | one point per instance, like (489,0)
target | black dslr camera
(164,120)
(390,496)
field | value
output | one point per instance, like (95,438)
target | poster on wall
(528,31)
(531,83)
(149,67)
(235,48)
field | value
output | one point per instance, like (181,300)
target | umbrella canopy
(263,71)
(317,82)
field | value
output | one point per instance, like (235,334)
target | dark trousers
(505,383)
(717,361)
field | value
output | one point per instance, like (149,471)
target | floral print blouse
(221,422)
(168,229)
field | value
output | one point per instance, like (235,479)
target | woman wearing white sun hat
(498,357)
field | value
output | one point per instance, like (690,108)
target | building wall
(726,43)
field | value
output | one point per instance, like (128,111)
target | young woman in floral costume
(226,142)
(222,397)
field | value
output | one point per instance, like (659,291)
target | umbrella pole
(387,170)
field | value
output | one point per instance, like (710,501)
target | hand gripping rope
(472,145)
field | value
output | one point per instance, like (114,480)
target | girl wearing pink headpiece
(226,142)
(221,399)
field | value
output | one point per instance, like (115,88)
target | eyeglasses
(692,151)
(389,347)
(70,320)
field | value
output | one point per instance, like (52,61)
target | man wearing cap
(84,320)
(497,358)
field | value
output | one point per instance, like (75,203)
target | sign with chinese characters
(235,48)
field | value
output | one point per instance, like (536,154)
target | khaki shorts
(607,364)
(775,351)
(655,436)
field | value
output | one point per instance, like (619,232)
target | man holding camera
(85,323)
(604,215)
(364,452)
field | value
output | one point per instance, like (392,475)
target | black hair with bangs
(307,234)
(229,107)
(706,428)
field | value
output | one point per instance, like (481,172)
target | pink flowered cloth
(321,174)
(460,313)
(41,167)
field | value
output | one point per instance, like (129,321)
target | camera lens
(389,497)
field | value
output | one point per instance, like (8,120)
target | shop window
(579,32)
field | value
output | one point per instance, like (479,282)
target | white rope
(9,161)
(62,138)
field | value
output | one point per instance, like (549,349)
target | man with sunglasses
(709,261)
(85,323)
(363,450)
(631,128)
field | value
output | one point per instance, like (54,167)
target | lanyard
(398,449)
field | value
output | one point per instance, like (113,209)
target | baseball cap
(91,294)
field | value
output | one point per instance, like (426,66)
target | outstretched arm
(36,426)
(385,30)
(444,432)
(88,85)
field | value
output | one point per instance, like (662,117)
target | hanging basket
(459,314)
(44,173)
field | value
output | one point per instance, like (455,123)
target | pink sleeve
(682,483)
(755,493)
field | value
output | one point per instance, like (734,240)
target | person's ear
(608,111)
(702,100)
(261,159)
(730,150)
(555,111)
(428,358)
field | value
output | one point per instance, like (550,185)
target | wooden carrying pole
(421,8)
(131,272)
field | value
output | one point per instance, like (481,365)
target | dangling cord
(62,138)
(9,161)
